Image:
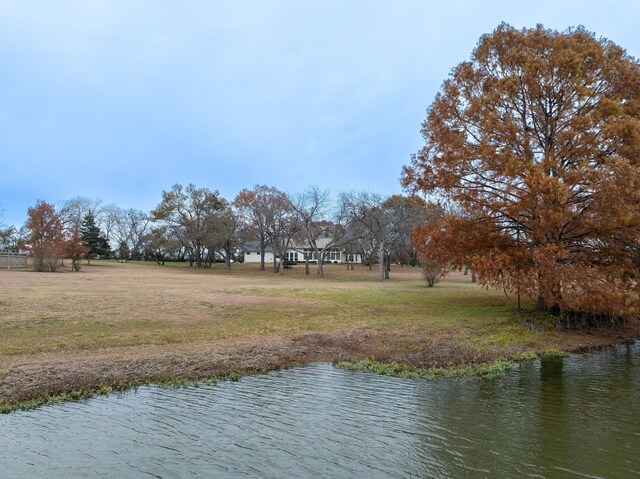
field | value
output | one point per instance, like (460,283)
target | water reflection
(577,417)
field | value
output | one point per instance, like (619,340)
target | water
(574,418)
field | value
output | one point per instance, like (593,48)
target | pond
(572,417)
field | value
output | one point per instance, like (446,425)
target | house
(298,253)
(251,252)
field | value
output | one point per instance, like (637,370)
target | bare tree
(267,214)
(382,222)
(162,243)
(282,225)
(322,228)
(73,211)
(127,231)
(255,211)
(137,226)
(224,235)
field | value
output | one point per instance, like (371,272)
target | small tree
(75,249)
(431,272)
(97,245)
(44,236)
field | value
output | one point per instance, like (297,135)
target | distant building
(299,252)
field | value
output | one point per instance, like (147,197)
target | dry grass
(112,323)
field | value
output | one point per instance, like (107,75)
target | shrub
(431,272)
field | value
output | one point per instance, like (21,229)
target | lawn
(114,323)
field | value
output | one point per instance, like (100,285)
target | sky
(119,100)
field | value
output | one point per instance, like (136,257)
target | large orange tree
(535,143)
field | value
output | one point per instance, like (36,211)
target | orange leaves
(537,142)
(44,228)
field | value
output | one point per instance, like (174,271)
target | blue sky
(120,100)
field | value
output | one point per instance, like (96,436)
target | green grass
(123,385)
(141,311)
(491,370)
(103,306)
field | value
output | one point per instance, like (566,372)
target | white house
(299,253)
(251,250)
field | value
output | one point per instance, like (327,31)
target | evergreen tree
(92,238)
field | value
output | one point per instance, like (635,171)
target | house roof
(251,246)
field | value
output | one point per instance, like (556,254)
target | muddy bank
(25,378)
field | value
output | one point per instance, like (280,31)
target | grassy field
(115,325)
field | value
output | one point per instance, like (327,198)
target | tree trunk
(306,264)
(227,257)
(381,257)
(280,269)
(473,277)
(549,294)
(262,248)
(198,254)
(320,265)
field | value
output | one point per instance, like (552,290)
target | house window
(292,256)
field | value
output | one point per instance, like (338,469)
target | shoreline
(28,384)
(115,326)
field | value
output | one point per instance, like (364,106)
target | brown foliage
(536,141)
(44,236)
(431,272)
(75,249)
(47,240)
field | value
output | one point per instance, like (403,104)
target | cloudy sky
(119,100)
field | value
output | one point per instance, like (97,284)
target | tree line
(199,226)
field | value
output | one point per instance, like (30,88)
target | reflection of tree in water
(554,418)
(553,435)
(478,428)
(589,414)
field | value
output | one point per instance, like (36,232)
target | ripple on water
(576,417)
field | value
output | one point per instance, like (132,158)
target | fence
(10,259)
